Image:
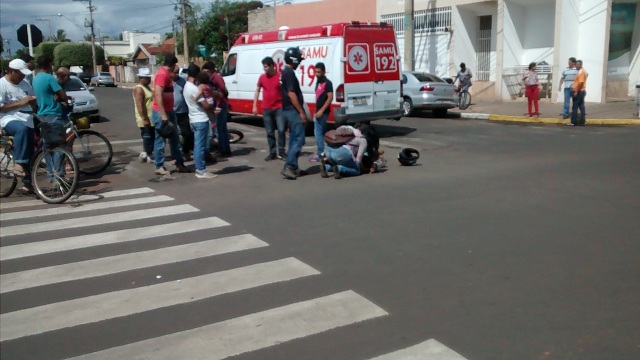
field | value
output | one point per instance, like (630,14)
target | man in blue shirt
(49,94)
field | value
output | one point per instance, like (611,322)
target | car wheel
(407,107)
(440,113)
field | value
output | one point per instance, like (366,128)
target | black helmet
(293,55)
(408,156)
(166,129)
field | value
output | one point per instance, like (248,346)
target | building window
(484,48)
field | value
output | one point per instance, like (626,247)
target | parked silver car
(425,91)
(102,78)
(84,101)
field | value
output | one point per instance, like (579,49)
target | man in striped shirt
(566,83)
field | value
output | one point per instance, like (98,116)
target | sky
(111,17)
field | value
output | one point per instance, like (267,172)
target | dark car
(84,77)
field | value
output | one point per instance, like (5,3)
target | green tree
(76,54)
(45,48)
(1,44)
(60,36)
(116,60)
(20,53)
(223,23)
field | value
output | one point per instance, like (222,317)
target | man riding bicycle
(464,77)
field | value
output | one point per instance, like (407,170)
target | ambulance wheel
(407,107)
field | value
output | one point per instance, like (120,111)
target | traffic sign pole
(30,39)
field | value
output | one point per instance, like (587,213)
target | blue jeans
(319,128)
(342,157)
(148,139)
(55,159)
(296,137)
(567,102)
(273,119)
(578,104)
(200,135)
(174,140)
(221,128)
(22,142)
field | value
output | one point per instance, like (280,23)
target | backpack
(339,136)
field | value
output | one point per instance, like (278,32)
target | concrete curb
(525,119)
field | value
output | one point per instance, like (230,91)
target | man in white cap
(143,100)
(17,105)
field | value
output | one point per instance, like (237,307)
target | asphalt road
(504,242)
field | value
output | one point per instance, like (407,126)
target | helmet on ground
(293,55)
(166,129)
(83,122)
(408,156)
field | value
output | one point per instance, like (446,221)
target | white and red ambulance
(361,60)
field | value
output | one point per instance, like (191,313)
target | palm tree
(60,36)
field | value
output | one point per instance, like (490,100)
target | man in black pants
(182,114)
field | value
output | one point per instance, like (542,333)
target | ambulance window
(229,67)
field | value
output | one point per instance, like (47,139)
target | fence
(513,77)
(424,21)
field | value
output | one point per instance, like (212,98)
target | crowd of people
(198,106)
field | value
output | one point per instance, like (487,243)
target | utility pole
(175,43)
(93,35)
(185,46)
(408,36)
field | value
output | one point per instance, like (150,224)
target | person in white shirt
(17,105)
(199,112)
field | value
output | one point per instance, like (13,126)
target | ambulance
(361,60)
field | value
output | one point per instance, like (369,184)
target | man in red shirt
(271,108)
(221,118)
(162,112)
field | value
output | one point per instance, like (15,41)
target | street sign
(23,35)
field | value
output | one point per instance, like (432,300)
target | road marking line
(430,349)
(96,220)
(110,194)
(106,238)
(95,206)
(132,261)
(250,332)
(126,302)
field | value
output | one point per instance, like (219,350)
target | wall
(116,48)
(538,36)
(326,12)
(432,53)
(567,24)
(465,25)
(591,45)
(263,19)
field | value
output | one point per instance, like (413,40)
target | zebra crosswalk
(22,324)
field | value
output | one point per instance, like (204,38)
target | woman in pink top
(532,90)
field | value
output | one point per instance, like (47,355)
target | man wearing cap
(142,100)
(17,105)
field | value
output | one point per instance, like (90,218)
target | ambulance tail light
(340,93)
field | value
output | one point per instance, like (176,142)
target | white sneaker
(143,157)
(205,175)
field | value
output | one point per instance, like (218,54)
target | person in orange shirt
(579,92)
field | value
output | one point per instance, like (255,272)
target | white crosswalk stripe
(109,303)
(79,198)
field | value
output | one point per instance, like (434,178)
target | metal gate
(484,49)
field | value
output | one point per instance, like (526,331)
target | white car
(84,101)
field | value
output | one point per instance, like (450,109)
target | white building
(497,38)
(129,43)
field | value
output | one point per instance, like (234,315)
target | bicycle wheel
(8,178)
(55,175)
(235,136)
(465,100)
(92,151)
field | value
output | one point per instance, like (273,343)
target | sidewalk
(612,113)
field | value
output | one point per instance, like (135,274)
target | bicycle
(91,149)
(464,98)
(54,169)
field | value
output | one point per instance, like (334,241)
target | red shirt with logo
(163,78)
(271,94)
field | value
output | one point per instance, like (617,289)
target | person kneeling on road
(346,159)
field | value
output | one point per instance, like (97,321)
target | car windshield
(105,74)
(74,85)
(424,77)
